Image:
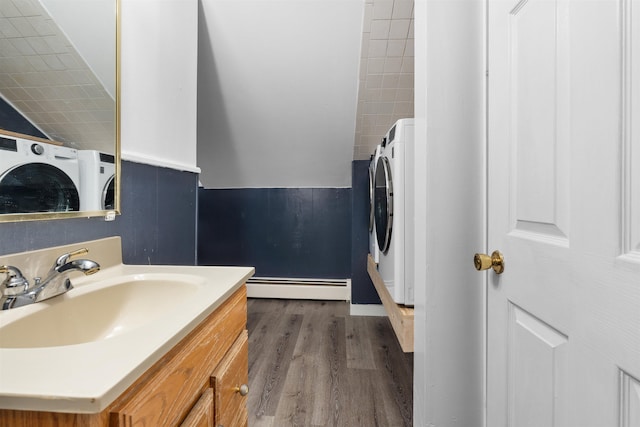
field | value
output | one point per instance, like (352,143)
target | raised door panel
(629,400)
(537,371)
(201,414)
(538,126)
(230,405)
(630,19)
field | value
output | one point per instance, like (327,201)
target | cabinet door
(201,414)
(229,380)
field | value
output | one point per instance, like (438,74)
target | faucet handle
(64,258)
(80,251)
(15,283)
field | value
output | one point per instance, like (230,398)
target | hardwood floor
(312,364)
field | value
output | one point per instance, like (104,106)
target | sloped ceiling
(291,91)
(46,79)
(385,92)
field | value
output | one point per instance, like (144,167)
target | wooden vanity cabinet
(193,385)
(224,403)
(167,393)
(230,385)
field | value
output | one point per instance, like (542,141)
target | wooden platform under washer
(401,317)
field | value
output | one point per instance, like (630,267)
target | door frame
(450,318)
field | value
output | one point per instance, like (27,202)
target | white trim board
(146,159)
(289,288)
(367,310)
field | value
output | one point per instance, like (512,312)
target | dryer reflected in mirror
(38,177)
(97,177)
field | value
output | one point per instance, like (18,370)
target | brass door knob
(485,262)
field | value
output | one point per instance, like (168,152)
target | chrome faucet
(17,292)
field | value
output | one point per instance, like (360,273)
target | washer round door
(383,203)
(372,194)
(37,187)
(108,199)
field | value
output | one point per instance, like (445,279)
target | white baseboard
(367,310)
(333,290)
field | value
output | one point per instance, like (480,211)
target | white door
(563,327)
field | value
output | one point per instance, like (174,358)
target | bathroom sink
(79,351)
(99,311)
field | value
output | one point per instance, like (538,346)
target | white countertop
(88,377)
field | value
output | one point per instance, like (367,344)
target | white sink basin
(100,311)
(79,351)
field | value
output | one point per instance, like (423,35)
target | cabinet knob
(243,390)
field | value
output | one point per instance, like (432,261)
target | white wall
(159,82)
(277,92)
(449,341)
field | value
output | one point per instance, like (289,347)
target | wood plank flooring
(312,364)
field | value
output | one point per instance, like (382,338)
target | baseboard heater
(291,288)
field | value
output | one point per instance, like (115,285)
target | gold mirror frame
(17,217)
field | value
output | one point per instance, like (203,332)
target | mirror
(59,109)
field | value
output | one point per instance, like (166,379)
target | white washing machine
(97,175)
(37,177)
(373,242)
(394,201)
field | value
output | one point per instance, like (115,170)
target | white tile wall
(45,78)
(386,72)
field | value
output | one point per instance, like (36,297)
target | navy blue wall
(362,289)
(157,225)
(291,232)
(282,232)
